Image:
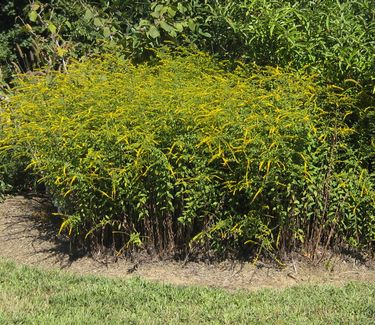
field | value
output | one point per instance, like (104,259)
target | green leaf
(171,12)
(158,8)
(155,14)
(181,8)
(192,25)
(35,6)
(144,22)
(88,15)
(98,22)
(153,32)
(33,15)
(168,28)
(179,27)
(106,32)
(206,34)
(51,27)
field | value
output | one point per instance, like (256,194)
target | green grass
(32,296)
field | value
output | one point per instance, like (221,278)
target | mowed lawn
(33,296)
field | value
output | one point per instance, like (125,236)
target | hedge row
(179,153)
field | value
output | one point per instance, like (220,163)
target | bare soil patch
(28,238)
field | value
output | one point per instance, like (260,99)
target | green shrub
(335,37)
(181,152)
(12,175)
(3,160)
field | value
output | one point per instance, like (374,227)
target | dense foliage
(206,157)
(179,152)
(336,37)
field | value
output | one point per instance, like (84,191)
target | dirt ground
(26,238)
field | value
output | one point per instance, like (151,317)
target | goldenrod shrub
(180,154)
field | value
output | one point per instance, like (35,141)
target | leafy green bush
(3,184)
(12,175)
(180,152)
(335,37)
